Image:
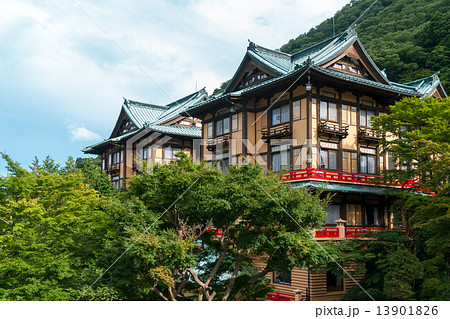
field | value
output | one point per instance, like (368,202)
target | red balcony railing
(333,176)
(328,232)
(281,296)
(350,232)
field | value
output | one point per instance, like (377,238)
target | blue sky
(62,79)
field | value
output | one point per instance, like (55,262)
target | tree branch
(159,293)
(233,276)
(251,281)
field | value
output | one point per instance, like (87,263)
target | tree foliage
(410,39)
(182,256)
(51,231)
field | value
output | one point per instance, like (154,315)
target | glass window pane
(168,152)
(210,130)
(353,115)
(323,110)
(285,114)
(234,122)
(332,159)
(371,164)
(314,108)
(332,109)
(226,125)
(276,162)
(276,116)
(369,118)
(344,114)
(333,213)
(354,162)
(362,118)
(219,127)
(345,162)
(323,159)
(363,163)
(296,110)
(285,159)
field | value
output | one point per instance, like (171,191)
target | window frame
(286,108)
(328,150)
(276,277)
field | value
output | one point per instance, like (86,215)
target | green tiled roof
(154,117)
(292,65)
(177,130)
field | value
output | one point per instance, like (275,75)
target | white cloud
(80,133)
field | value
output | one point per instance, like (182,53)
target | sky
(66,65)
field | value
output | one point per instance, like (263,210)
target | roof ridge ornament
(251,45)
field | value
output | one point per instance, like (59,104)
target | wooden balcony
(212,144)
(334,176)
(332,129)
(368,135)
(276,132)
(113,168)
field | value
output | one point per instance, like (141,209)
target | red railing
(281,296)
(350,232)
(328,232)
(334,176)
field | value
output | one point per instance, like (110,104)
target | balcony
(331,129)
(113,168)
(350,232)
(368,135)
(276,132)
(333,176)
(281,296)
(212,144)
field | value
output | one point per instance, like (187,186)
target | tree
(51,230)
(93,176)
(204,244)
(418,136)
(416,264)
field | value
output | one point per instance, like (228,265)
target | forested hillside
(408,38)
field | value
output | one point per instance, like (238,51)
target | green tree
(181,252)
(51,230)
(93,176)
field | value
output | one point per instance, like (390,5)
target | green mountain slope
(408,38)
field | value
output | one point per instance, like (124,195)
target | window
(296,110)
(234,123)
(333,213)
(282,277)
(210,130)
(353,115)
(353,215)
(345,114)
(280,115)
(169,152)
(349,162)
(328,111)
(381,163)
(223,126)
(115,181)
(329,94)
(144,153)
(223,162)
(314,108)
(104,164)
(328,159)
(335,281)
(368,164)
(297,160)
(365,118)
(280,158)
(115,158)
(372,217)
(391,161)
